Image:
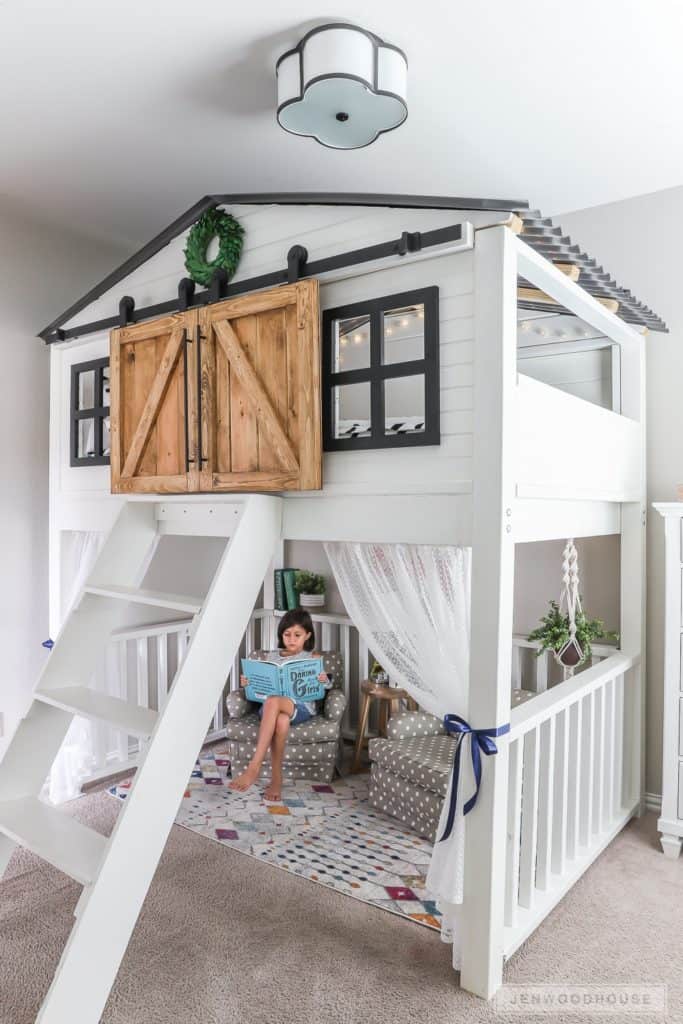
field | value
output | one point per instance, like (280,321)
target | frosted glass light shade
(342,86)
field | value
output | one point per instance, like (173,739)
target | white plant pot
(311,600)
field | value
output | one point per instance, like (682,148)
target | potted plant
(554,635)
(378,674)
(310,588)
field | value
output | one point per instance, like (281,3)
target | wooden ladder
(116,873)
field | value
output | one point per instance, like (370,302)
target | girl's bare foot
(274,790)
(245,780)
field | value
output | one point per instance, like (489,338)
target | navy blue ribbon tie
(482,742)
(49,644)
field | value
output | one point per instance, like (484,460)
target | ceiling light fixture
(342,86)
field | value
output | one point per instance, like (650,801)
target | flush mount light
(342,86)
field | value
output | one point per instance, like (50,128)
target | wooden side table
(388,697)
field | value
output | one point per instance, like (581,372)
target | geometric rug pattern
(327,833)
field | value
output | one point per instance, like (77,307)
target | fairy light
(389,330)
(404,322)
(343,341)
(358,338)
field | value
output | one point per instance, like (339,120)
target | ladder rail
(105,920)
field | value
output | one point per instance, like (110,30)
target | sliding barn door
(153,406)
(259,399)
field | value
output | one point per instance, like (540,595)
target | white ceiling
(116,116)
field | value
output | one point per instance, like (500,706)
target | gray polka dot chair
(410,768)
(313,748)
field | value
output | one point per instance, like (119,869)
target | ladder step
(129,718)
(56,837)
(177,602)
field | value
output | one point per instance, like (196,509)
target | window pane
(86,438)
(351,340)
(86,389)
(105,386)
(404,405)
(404,334)
(106,441)
(351,404)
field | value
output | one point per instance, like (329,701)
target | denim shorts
(300,714)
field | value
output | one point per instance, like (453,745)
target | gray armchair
(313,748)
(410,768)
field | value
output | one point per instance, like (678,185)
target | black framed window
(90,442)
(381,372)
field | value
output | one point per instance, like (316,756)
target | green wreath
(213,224)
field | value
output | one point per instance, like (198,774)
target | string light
(343,341)
(389,330)
(421,314)
(404,322)
(358,338)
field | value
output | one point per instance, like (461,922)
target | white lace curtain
(75,760)
(411,605)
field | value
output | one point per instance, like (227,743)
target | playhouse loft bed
(511,459)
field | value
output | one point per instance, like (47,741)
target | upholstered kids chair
(410,768)
(313,747)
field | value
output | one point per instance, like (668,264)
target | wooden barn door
(153,406)
(259,399)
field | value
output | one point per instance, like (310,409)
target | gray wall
(43,270)
(538,577)
(638,240)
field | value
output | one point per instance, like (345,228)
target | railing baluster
(599,760)
(588,782)
(162,669)
(529,825)
(545,803)
(514,824)
(560,793)
(619,744)
(608,800)
(542,672)
(123,741)
(516,667)
(577,770)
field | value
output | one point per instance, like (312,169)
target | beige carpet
(222,938)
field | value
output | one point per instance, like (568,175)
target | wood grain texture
(536,295)
(253,400)
(255,394)
(148,407)
(155,395)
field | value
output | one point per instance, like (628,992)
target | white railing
(143,662)
(533,671)
(140,665)
(569,787)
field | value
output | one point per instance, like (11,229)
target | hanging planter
(569,635)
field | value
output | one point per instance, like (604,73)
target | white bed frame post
(493,549)
(633,575)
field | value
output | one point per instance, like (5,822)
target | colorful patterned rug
(326,833)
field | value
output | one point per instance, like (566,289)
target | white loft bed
(493,482)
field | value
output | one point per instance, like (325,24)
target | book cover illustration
(276,676)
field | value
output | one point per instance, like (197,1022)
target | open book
(278,676)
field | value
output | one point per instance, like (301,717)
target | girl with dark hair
(295,637)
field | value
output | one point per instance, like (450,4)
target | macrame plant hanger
(571,653)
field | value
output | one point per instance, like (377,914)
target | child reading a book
(295,638)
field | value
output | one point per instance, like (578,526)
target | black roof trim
(275,199)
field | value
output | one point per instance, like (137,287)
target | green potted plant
(554,635)
(378,674)
(310,587)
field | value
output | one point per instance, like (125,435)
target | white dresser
(670,823)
